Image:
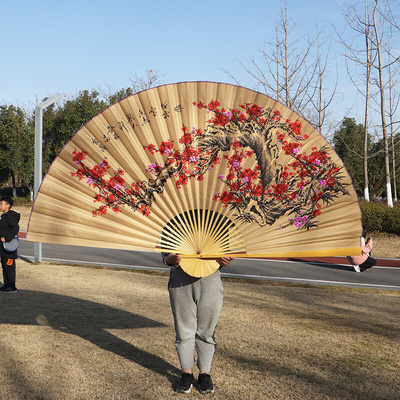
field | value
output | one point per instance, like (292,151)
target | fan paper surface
(201,169)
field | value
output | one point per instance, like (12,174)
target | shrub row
(9,191)
(23,195)
(378,217)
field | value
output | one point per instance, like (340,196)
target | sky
(59,46)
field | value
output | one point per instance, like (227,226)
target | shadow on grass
(87,320)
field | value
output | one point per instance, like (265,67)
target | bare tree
(139,83)
(369,57)
(360,57)
(151,79)
(387,16)
(372,26)
(394,101)
(289,71)
(379,33)
(319,101)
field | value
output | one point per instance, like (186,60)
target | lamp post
(39,158)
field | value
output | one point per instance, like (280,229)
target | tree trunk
(367,94)
(383,116)
(394,168)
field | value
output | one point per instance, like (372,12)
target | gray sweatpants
(196,304)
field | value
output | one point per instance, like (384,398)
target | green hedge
(378,217)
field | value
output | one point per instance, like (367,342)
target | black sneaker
(205,384)
(186,383)
(4,289)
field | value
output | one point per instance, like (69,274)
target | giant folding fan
(203,170)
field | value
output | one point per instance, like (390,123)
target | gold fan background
(62,212)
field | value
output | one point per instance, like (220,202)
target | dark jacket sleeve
(164,256)
(12,222)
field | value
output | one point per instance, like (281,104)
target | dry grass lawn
(74,333)
(79,333)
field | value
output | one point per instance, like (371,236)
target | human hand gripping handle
(224,261)
(173,259)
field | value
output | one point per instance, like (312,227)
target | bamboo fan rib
(201,169)
(201,232)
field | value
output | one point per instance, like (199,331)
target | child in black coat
(8,229)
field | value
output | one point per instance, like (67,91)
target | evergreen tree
(348,142)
